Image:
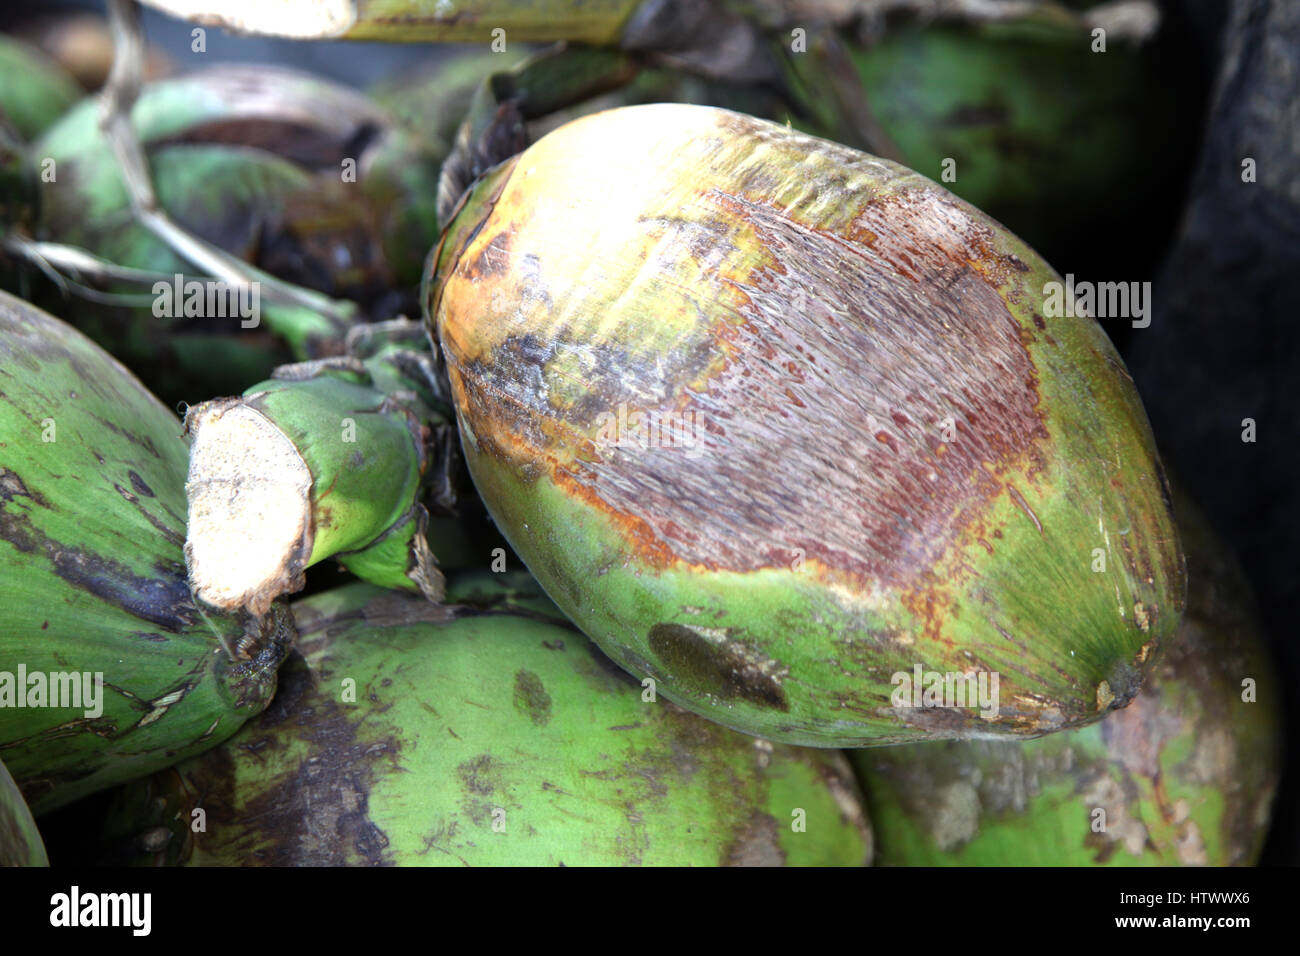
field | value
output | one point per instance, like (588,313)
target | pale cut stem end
(250,532)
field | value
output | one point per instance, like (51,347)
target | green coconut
(109,669)
(484,733)
(780,425)
(1185,775)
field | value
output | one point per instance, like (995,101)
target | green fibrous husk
(34,90)
(1185,775)
(20,840)
(483,734)
(329,459)
(108,668)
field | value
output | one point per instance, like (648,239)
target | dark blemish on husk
(492,260)
(1125,681)
(163,601)
(139,485)
(759,844)
(12,486)
(531,698)
(480,782)
(317,812)
(1103,848)
(475,775)
(718,665)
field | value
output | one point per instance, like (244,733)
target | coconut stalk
(109,670)
(328,459)
(416,21)
(1185,775)
(634,24)
(20,840)
(302,184)
(776,422)
(399,738)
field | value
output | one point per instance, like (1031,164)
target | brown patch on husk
(718,665)
(316,813)
(793,314)
(759,844)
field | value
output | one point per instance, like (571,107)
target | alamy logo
(74,690)
(923,688)
(633,429)
(210,299)
(102,909)
(1102,300)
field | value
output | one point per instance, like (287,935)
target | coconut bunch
(97,600)
(816,537)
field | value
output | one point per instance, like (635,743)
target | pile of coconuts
(641,479)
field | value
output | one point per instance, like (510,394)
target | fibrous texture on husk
(776,422)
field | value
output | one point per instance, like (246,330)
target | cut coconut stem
(316,463)
(250,531)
